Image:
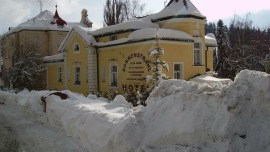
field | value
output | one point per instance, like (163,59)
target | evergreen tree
(156,71)
(223,49)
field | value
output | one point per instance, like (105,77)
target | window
(76,47)
(114,75)
(77,76)
(114,37)
(178,71)
(59,74)
(197,54)
(103,73)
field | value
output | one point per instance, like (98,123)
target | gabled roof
(83,32)
(177,9)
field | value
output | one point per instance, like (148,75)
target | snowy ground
(181,116)
(22,133)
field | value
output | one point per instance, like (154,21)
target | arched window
(76,47)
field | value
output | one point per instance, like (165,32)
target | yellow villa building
(115,58)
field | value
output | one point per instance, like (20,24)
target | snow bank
(180,116)
(210,118)
(210,80)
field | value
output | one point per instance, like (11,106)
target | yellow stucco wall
(131,59)
(175,52)
(210,60)
(52,72)
(187,26)
(77,59)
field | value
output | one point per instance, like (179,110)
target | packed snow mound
(180,116)
(210,80)
(210,118)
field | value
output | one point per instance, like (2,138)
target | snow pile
(180,116)
(210,80)
(198,117)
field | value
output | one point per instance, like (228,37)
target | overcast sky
(14,12)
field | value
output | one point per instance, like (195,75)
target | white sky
(13,12)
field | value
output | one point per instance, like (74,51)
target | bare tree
(265,62)
(118,11)
(26,73)
(133,8)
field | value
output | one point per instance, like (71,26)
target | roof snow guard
(57,19)
(178,9)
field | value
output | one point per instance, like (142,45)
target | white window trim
(198,40)
(111,65)
(76,66)
(182,64)
(76,52)
(58,76)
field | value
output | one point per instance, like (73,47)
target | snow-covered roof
(83,32)
(210,40)
(125,26)
(54,58)
(41,22)
(176,8)
(161,33)
(151,33)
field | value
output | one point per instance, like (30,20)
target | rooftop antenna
(41,4)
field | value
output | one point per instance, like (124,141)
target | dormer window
(76,47)
(113,37)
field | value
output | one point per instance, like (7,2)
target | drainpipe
(206,58)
